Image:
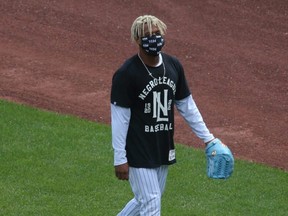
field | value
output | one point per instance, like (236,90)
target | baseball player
(144,91)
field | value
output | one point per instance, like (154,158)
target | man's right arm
(120,118)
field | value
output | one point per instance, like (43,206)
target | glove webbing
(219,166)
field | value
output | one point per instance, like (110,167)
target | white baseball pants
(148,186)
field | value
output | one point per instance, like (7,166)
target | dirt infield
(61,55)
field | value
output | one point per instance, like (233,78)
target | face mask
(152,44)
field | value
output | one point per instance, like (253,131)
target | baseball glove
(220,161)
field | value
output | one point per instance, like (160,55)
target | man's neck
(149,60)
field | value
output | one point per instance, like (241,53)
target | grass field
(55,164)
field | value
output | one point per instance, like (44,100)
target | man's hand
(122,171)
(220,160)
(209,141)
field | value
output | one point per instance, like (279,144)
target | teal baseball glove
(220,161)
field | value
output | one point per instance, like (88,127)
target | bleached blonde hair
(137,28)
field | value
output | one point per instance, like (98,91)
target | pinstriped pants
(148,186)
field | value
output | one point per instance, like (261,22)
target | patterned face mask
(152,44)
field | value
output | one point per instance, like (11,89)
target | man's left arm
(220,160)
(190,112)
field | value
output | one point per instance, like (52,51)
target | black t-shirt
(149,141)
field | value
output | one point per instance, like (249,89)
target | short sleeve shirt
(150,141)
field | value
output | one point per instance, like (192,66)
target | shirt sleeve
(188,109)
(182,90)
(120,117)
(121,89)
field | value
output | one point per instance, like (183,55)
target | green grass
(53,164)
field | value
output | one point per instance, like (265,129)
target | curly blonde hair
(137,28)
